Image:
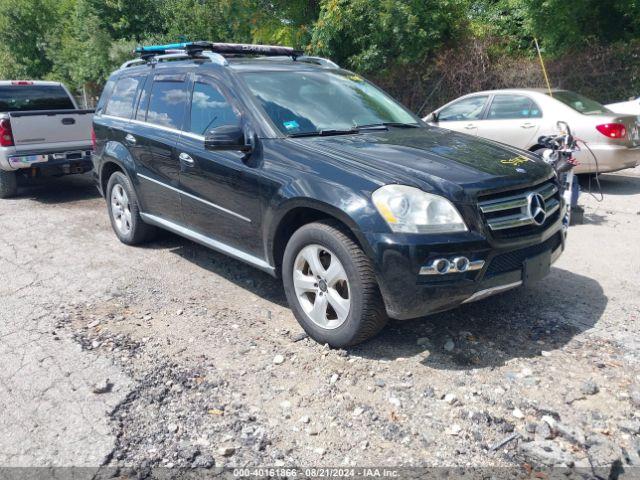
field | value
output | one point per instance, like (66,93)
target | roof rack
(216,51)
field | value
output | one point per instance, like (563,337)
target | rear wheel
(8,184)
(124,211)
(331,286)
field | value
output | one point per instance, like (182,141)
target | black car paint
(333,175)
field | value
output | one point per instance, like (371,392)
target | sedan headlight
(410,210)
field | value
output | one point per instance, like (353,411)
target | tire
(325,242)
(124,212)
(8,184)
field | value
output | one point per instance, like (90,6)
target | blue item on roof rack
(194,48)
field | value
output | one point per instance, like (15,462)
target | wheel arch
(115,157)
(301,212)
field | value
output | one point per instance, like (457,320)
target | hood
(436,160)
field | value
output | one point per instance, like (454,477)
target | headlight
(410,210)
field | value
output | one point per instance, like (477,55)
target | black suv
(309,172)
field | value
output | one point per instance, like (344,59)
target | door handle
(471,126)
(130,139)
(186,158)
(527,125)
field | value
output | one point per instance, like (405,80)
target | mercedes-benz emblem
(537,209)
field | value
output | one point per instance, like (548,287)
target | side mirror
(227,137)
(431,118)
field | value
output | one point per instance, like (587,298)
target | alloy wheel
(121,209)
(322,286)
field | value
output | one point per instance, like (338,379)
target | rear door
(463,115)
(119,109)
(158,123)
(221,189)
(513,119)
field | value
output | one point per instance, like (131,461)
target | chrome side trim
(208,242)
(182,192)
(492,291)
(182,133)
(432,270)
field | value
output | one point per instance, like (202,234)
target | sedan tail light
(612,130)
(94,143)
(6,135)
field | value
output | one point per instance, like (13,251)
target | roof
(519,90)
(31,82)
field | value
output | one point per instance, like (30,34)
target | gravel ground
(172,355)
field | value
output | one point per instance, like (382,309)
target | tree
(560,25)
(80,52)
(369,36)
(128,19)
(26,28)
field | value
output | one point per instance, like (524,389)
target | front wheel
(331,286)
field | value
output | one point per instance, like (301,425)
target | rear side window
(210,109)
(504,107)
(123,98)
(17,98)
(106,91)
(167,102)
(465,109)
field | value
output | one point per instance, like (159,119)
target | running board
(208,242)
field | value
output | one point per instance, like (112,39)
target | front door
(220,189)
(463,115)
(511,119)
(158,122)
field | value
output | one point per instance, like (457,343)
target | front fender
(350,206)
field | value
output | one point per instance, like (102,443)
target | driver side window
(210,109)
(465,109)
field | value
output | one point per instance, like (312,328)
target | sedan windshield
(324,102)
(580,103)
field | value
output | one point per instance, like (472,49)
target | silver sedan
(519,117)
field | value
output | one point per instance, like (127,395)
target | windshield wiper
(381,125)
(326,132)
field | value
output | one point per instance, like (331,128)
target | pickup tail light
(93,139)
(23,83)
(6,135)
(612,130)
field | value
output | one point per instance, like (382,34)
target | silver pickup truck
(42,133)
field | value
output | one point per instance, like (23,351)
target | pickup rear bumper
(67,160)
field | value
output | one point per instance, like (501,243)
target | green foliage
(370,36)
(559,25)
(398,42)
(26,28)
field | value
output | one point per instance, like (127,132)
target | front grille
(511,214)
(507,262)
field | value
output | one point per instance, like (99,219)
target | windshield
(580,103)
(14,98)
(302,102)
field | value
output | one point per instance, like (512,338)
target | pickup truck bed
(35,141)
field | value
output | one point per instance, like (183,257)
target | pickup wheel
(124,212)
(331,286)
(8,184)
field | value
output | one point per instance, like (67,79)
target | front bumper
(408,293)
(610,158)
